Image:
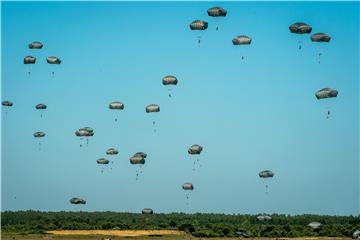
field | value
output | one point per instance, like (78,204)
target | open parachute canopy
(152,108)
(195,149)
(35,45)
(241,40)
(147,211)
(326,93)
(7,103)
(216,12)
(300,28)
(266,174)
(116,105)
(76,200)
(198,25)
(53,60)
(320,37)
(188,186)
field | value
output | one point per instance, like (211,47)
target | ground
(129,235)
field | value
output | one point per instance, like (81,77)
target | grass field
(129,234)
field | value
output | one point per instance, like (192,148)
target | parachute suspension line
(154,126)
(300,46)
(319,57)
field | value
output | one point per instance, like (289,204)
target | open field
(135,235)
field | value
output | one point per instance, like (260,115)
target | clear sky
(249,115)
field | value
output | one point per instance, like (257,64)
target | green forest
(198,224)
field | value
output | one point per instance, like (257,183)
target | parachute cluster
(169,81)
(32,60)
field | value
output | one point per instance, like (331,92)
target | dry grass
(120,233)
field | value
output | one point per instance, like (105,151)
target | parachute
(152,108)
(29,60)
(326,93)
(39,134)
(195,150)
(41,106)
(84,132)
(116,106)
(112,151)
(6,104)
(356,235)
(77,201)
(147,211)
(169,81)
(320,38)
(188,187)
(265,175)
(263,218)
(216,12)
(300,28)
(140,154)
(314,225)
(138,159)
(199,25)
(103,162)
(241,40)
(35,45)
(53,60)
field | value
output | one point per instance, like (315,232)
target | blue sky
(249,115)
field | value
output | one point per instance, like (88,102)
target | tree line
(198,224)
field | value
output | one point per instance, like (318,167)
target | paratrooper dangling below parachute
(199,25)
(241,40)
(169,81)
(84,133)
(138,159)
(300,28)
(265,175)
(153,108)
(217,12)
(53,60)
(39,135)
(6,104)
(195,150)
(187,187)
(326,93)
(116,106)
(40,106)
(320,38)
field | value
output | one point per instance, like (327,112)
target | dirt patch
(120,233)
